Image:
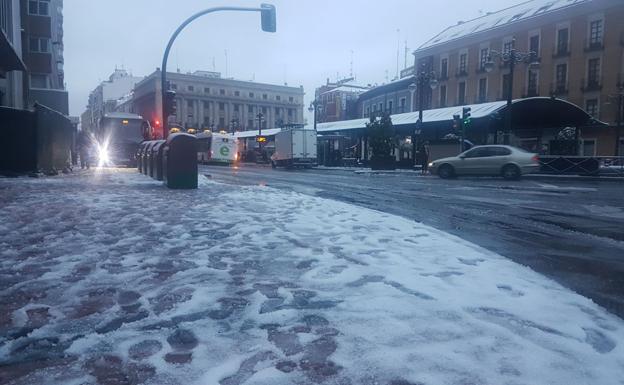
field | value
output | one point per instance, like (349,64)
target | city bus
(216,148)
(118,136)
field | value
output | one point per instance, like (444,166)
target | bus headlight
(103,156)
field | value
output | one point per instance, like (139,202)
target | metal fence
(582,165)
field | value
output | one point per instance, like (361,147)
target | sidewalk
(109,277)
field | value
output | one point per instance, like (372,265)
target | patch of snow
(250,285)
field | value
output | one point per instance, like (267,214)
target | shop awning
(9,59)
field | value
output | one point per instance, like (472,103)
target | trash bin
(145,156)
(157,160)
(150,160)
(139,156)
(180,161)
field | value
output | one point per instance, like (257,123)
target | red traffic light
(157,123)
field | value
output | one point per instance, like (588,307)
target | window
(264,110)
(291,99)
(189,104)
(221,91)
(174,86)
(237,93)
(621,147)
(251,95)
(290,112)
(236,108)
(221,106)
(595,33)
(442,96)
(250,123)
(483,58)
(593,72)
(390,103)
(562,41)
(589,147)
(206,90)
(250,109)
(508,46)
(532,79)
(561,77)
(278,98)
(367,112)
(206,105)
(277,111)
(381,107)
(191,88)
(444,68)
(402,103)
(39,44)
(463,64)
(461,97)
(265,96)
(221,123)
(39,81)
(482,90)
(591,106)
(39,7)
(534,46)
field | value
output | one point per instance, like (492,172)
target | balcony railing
(559,89)
(461,73)
(591,46)
(559,52)
(590,85)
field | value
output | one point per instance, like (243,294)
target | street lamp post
(314,107)
(424,79)
(260,117)
(268,20)
(512,58)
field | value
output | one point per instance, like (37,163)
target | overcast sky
(313,42)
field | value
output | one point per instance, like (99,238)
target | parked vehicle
(118,136)
(506,161)
(295,147)
(216,148)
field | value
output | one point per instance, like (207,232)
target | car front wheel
(511,172)
(446,171)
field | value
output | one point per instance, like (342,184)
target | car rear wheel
(511,172)
(446,171)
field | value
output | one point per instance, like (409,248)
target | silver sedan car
(506,161)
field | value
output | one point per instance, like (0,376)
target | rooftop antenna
(398,52)
(406,53)
(226,63)
(351,69)
(214,65)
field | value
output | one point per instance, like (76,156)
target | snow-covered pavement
(110,278)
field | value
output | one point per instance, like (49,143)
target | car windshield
(305,192)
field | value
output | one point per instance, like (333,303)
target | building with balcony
(107,96)
(579,46)
(205,100)
(338,100)
(12,68)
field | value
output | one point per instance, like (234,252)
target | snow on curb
(250,285)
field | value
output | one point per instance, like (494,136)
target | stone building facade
(205,100)
(579,46)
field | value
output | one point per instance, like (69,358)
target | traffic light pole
(268,24)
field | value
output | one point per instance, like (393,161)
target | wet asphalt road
(569,230)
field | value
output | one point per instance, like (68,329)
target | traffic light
(268,18)
(456,123)
(171,106)
(466,115)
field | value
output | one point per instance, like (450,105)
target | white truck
(295,147)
